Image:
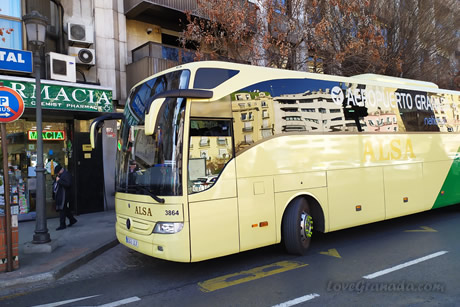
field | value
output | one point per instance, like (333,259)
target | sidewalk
(93,234)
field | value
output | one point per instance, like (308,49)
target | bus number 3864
(171,212)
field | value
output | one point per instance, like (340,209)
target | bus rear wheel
(297,227)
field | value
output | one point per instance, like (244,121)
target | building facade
(81,78)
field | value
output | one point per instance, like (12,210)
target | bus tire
(297,227)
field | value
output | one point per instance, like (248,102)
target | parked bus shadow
(360,235)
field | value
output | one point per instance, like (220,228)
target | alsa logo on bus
(396,149)
(143,211)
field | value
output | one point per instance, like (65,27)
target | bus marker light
(254,225)
(406,199)
(442,192)
(263,224)
(160,248)
(358,208)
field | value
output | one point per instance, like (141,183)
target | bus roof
(368,78)
(396,80)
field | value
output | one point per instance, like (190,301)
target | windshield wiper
(138,188)
(147,190)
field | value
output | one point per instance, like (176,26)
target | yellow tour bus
(217,158)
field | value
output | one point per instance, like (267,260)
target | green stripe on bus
(450,191)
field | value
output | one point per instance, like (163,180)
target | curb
(62,269)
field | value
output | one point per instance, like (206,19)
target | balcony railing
(178,5)
(151,58)
(165,52)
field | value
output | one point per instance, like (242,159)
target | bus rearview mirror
(151,116)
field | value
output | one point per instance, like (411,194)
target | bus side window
(210,149)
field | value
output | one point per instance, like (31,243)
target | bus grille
(136,225)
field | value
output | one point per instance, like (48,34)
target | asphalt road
(409,261)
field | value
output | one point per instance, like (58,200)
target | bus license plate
(132,241)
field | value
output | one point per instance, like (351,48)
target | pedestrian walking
(61,190)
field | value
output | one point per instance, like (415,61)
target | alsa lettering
(396,149)
(143,211)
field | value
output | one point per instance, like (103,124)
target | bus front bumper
(173,247)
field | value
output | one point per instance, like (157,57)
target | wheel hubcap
(306,226)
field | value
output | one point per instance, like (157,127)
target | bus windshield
(151,164)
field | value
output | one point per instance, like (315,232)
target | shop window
(22,160)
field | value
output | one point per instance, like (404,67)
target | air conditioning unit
(83,55)
(80,34)
(61,67)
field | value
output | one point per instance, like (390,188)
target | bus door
(213,205)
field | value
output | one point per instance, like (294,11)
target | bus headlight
(167,227)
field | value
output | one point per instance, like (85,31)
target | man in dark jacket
(61,189)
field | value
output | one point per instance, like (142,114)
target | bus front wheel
(297,227)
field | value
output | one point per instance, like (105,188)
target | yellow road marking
(424,229)
(245,276)
(332,252)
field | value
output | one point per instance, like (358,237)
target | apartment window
(265,114)
(290,109)
(221,141)
(223,153)
(312,120)
(204,141)
(264,104)
(204,154)
(292,118)
(265,124)
(248,138)
(244,116)
(266,133)
(334,110)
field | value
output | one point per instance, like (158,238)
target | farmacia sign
(57,96)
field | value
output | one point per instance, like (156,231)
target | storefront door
(89,175)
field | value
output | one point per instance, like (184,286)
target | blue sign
(15,60)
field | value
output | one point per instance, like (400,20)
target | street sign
(11,105)
(15,60)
